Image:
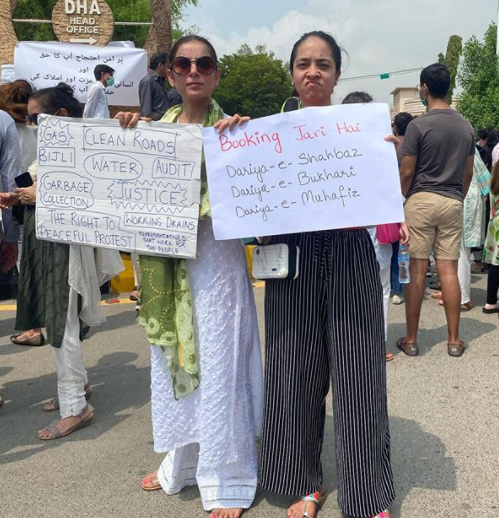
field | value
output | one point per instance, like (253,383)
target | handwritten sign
(312,169)
(133,190)
(46,64)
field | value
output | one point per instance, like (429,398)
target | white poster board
(132,190)
(311,169)
(46,64)
(7,74)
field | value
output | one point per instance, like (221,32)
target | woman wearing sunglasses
(200,317)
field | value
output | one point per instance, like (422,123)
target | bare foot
(66,424)
(150,482)
(226,513)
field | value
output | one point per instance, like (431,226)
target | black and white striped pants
(328,322)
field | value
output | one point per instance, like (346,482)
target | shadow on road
(471,329)
(119,388)
(419,460)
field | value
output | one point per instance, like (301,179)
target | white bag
(275,262)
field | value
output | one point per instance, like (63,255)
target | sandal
(389,356)
(53,404)
(134,295)
(435,285)
(316,498)
(456,350)
(489,311)
(409,349)
(85,416)
(37,340)
(152,480)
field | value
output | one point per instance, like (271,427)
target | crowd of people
(329,325)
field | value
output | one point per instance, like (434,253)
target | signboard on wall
(83,21)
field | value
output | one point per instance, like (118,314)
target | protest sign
(46,64)
(312,169)
(133,190)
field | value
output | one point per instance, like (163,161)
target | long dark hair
(56,97)
(14,99)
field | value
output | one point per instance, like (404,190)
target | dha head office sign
(83,21)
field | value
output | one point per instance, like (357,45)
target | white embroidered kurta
(224,414)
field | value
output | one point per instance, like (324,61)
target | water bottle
(403,261)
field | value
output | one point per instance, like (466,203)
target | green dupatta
(166,304)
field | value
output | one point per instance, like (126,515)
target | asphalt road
(444,418)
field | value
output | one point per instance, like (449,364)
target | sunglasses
(33,118)
(182,66)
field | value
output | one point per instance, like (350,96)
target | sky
(378,35)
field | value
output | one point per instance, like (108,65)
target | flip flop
(389,356)
(456,350)
(155,485)
(83,423)
(409,349)
(53,404)
(489,311)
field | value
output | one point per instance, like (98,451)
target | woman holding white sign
(200,318)
(326,325)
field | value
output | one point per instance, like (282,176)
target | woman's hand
(404,234)
(230,123)
(130,119)
(27,195)
(8,199)
(393,139)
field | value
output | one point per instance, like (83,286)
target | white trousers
(464,273)
(228,486)
(384,274)
(71,373)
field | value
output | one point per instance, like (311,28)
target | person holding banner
(61,287)
(326,325)
(200,318)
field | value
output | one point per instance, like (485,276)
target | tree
(253,83)
(123,10)
(451,60)
(479,79)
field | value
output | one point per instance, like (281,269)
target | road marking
(13,307)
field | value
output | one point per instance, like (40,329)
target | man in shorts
(436,171)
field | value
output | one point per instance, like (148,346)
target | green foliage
(123,11)
(451,60)
(253,83)
(479,79)
(452,57)
(36,10)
